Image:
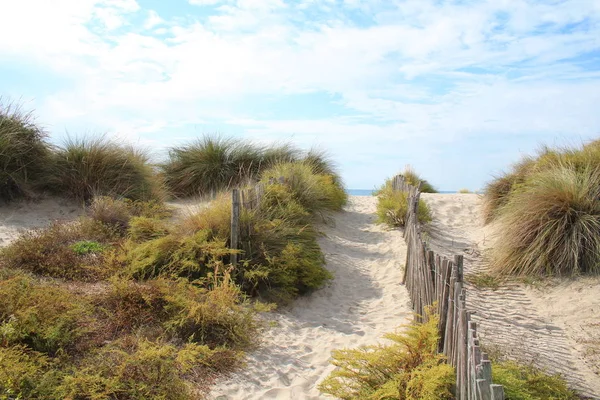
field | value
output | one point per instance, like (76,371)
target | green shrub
(84,168)
(44,317)
(314,191)
(408,368)
(24,153)
(141,369)
(412,178)
(142,229)
(216,317)
(26,374)
(523,382)
(58,251)
(392,207)
(86,247)
(191,256)
(554,224)
(118,214)
(464,191)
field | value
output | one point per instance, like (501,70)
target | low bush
(26,374)
(24,153)
(191,256)
(464,191)
(408,368)
(392,207)
(133,368)
(216,316)
(281,258)
(117,213)
(312,190)
(44,317)
(87,247)
(216,218)
(522,382)
(412,178)
(62,251)
(554,224)
(142,229)
(219,316)
(84,168)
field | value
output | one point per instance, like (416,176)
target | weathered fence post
(235,224)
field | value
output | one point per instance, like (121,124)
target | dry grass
(24,153)
(554,224)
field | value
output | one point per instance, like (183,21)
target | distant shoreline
(369,192)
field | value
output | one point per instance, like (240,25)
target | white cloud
(407,70)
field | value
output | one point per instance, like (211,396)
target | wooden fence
(245,199)
(432,279)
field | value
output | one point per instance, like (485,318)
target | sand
(20,216)
(555,325)
(364,300)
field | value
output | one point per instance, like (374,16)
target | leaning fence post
(235,224)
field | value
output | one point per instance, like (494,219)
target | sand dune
(550,326)
(364,301)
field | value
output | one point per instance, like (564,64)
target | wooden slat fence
(432,279)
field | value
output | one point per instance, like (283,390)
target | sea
(369,192)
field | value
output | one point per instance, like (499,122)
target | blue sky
(457,89)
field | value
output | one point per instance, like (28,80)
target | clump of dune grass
(412,178)
(407,369)
(392,207)
(212,164)
(24,153)
(464,191)
(86,167)
(554,224)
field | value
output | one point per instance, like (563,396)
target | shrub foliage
(24,153)
(408,368)
(88,167)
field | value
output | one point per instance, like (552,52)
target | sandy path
(364,300)
(543,326)
(19,216)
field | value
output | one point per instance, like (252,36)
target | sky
(458,89)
